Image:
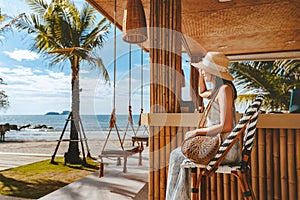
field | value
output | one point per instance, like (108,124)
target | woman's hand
(189,134)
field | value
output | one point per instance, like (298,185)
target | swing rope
(142,95)
(142,87)
(115,53)
(113,113)
(113,119)
(129,91)
(130,120)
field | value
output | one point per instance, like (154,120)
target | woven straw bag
(201,149)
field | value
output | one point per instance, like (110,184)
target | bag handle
(206,110)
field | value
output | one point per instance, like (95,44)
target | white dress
(179,183)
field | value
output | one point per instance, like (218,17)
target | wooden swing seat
(118,154)
(140,138)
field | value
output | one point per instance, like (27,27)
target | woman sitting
(220,119)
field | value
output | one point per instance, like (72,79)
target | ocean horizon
(94,126)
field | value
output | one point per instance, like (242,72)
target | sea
(94,126)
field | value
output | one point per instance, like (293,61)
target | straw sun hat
(215,63)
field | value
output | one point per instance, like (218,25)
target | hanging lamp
(134,22)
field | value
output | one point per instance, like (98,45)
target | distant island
(65,112)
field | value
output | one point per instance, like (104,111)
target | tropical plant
(65,33)
(273,78)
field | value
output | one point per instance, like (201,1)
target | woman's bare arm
(202,89)
(225,100)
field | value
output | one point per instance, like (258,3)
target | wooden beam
(287,120)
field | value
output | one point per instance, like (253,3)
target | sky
(34,87)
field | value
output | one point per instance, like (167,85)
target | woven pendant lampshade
(134,22)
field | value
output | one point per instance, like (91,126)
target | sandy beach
(48,146)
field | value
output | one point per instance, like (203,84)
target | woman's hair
(220,82)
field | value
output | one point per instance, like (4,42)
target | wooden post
(276,163)
(162,163)
(261,164)
(233,188)
(194,76)
(156,165)
(195,191)
(213,187)
(298,161)
(226,183)
(165,89)
(203,186)
(151,162)
(292,180)
(220,186)
(283,165)
(254,168)
(168,147)
(269,164)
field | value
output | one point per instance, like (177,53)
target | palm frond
(95,61)
(245,98)
(88,17)
(38,6)
(96,36)
(274,78)
(9,24)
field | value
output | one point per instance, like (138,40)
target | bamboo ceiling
(242,29)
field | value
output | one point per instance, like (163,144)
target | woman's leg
(178,184)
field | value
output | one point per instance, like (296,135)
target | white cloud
(4,69)
(20,55)
(32,93)
(38,71)
(84,72)
(22,71)
(58,75)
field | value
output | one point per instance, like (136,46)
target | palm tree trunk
(72,156)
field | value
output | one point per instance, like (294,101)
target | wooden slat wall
(277,151)
(165,89)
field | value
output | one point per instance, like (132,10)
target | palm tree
(273,78)
(64,33)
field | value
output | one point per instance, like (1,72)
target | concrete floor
(114,185)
